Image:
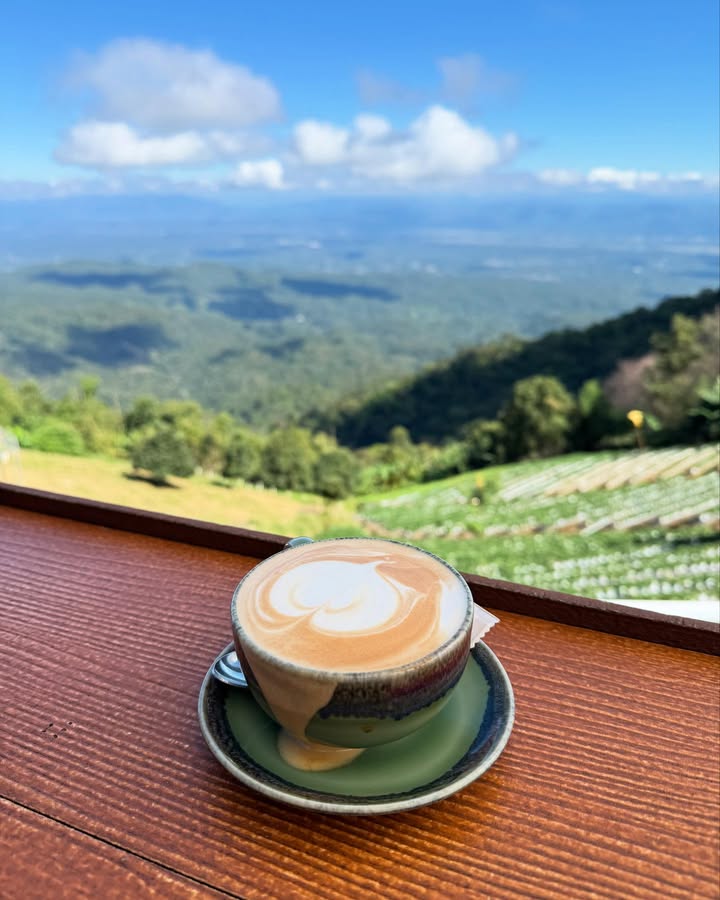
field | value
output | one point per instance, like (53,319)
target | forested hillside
(476,383)
(269,345)
(672,398)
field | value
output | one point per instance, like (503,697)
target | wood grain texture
(42,858)
(584,612)
(608,788)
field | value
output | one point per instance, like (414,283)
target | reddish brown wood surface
(608,787)
(42,859)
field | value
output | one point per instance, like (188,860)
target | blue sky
(390,96)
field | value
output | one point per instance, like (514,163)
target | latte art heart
(339,597)
(351,605)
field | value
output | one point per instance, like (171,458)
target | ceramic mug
(329,717)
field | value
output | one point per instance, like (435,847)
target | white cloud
(272,173)
(159,104)
(117,145)
(168,87)
(625,179)
(268,173)
(611,178)
(105,145)
(372,128)
(439,144)
(224,144)
(320,143)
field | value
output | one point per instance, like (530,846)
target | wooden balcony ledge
(608,787)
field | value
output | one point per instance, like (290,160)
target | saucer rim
(354,805)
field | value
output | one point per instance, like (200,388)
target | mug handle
(298,542)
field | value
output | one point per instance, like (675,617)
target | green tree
(215,442)
(706,414)
(288,460)
(397,462)
(687,358)
(34,407)
(595,418)
(484,443)
(399,438)
(10,406)
(187,418)
(144,411)
(162,453)
(676,348)
(243,456)
(538,418)
(99,424)
(336,473)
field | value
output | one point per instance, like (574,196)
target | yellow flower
(636,417)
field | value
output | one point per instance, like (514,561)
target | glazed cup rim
(390,674)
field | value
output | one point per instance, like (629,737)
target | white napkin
(483,621)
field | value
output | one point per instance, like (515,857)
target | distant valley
(272,312)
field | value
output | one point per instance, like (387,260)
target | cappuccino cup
(349,643)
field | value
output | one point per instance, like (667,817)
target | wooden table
(608,787)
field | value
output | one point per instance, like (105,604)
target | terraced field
(641,526)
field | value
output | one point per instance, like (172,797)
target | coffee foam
(351,605)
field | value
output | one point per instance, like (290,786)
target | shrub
(445,461)
(54,436)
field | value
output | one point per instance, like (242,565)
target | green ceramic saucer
(451,751)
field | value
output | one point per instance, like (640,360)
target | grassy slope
(197,497)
